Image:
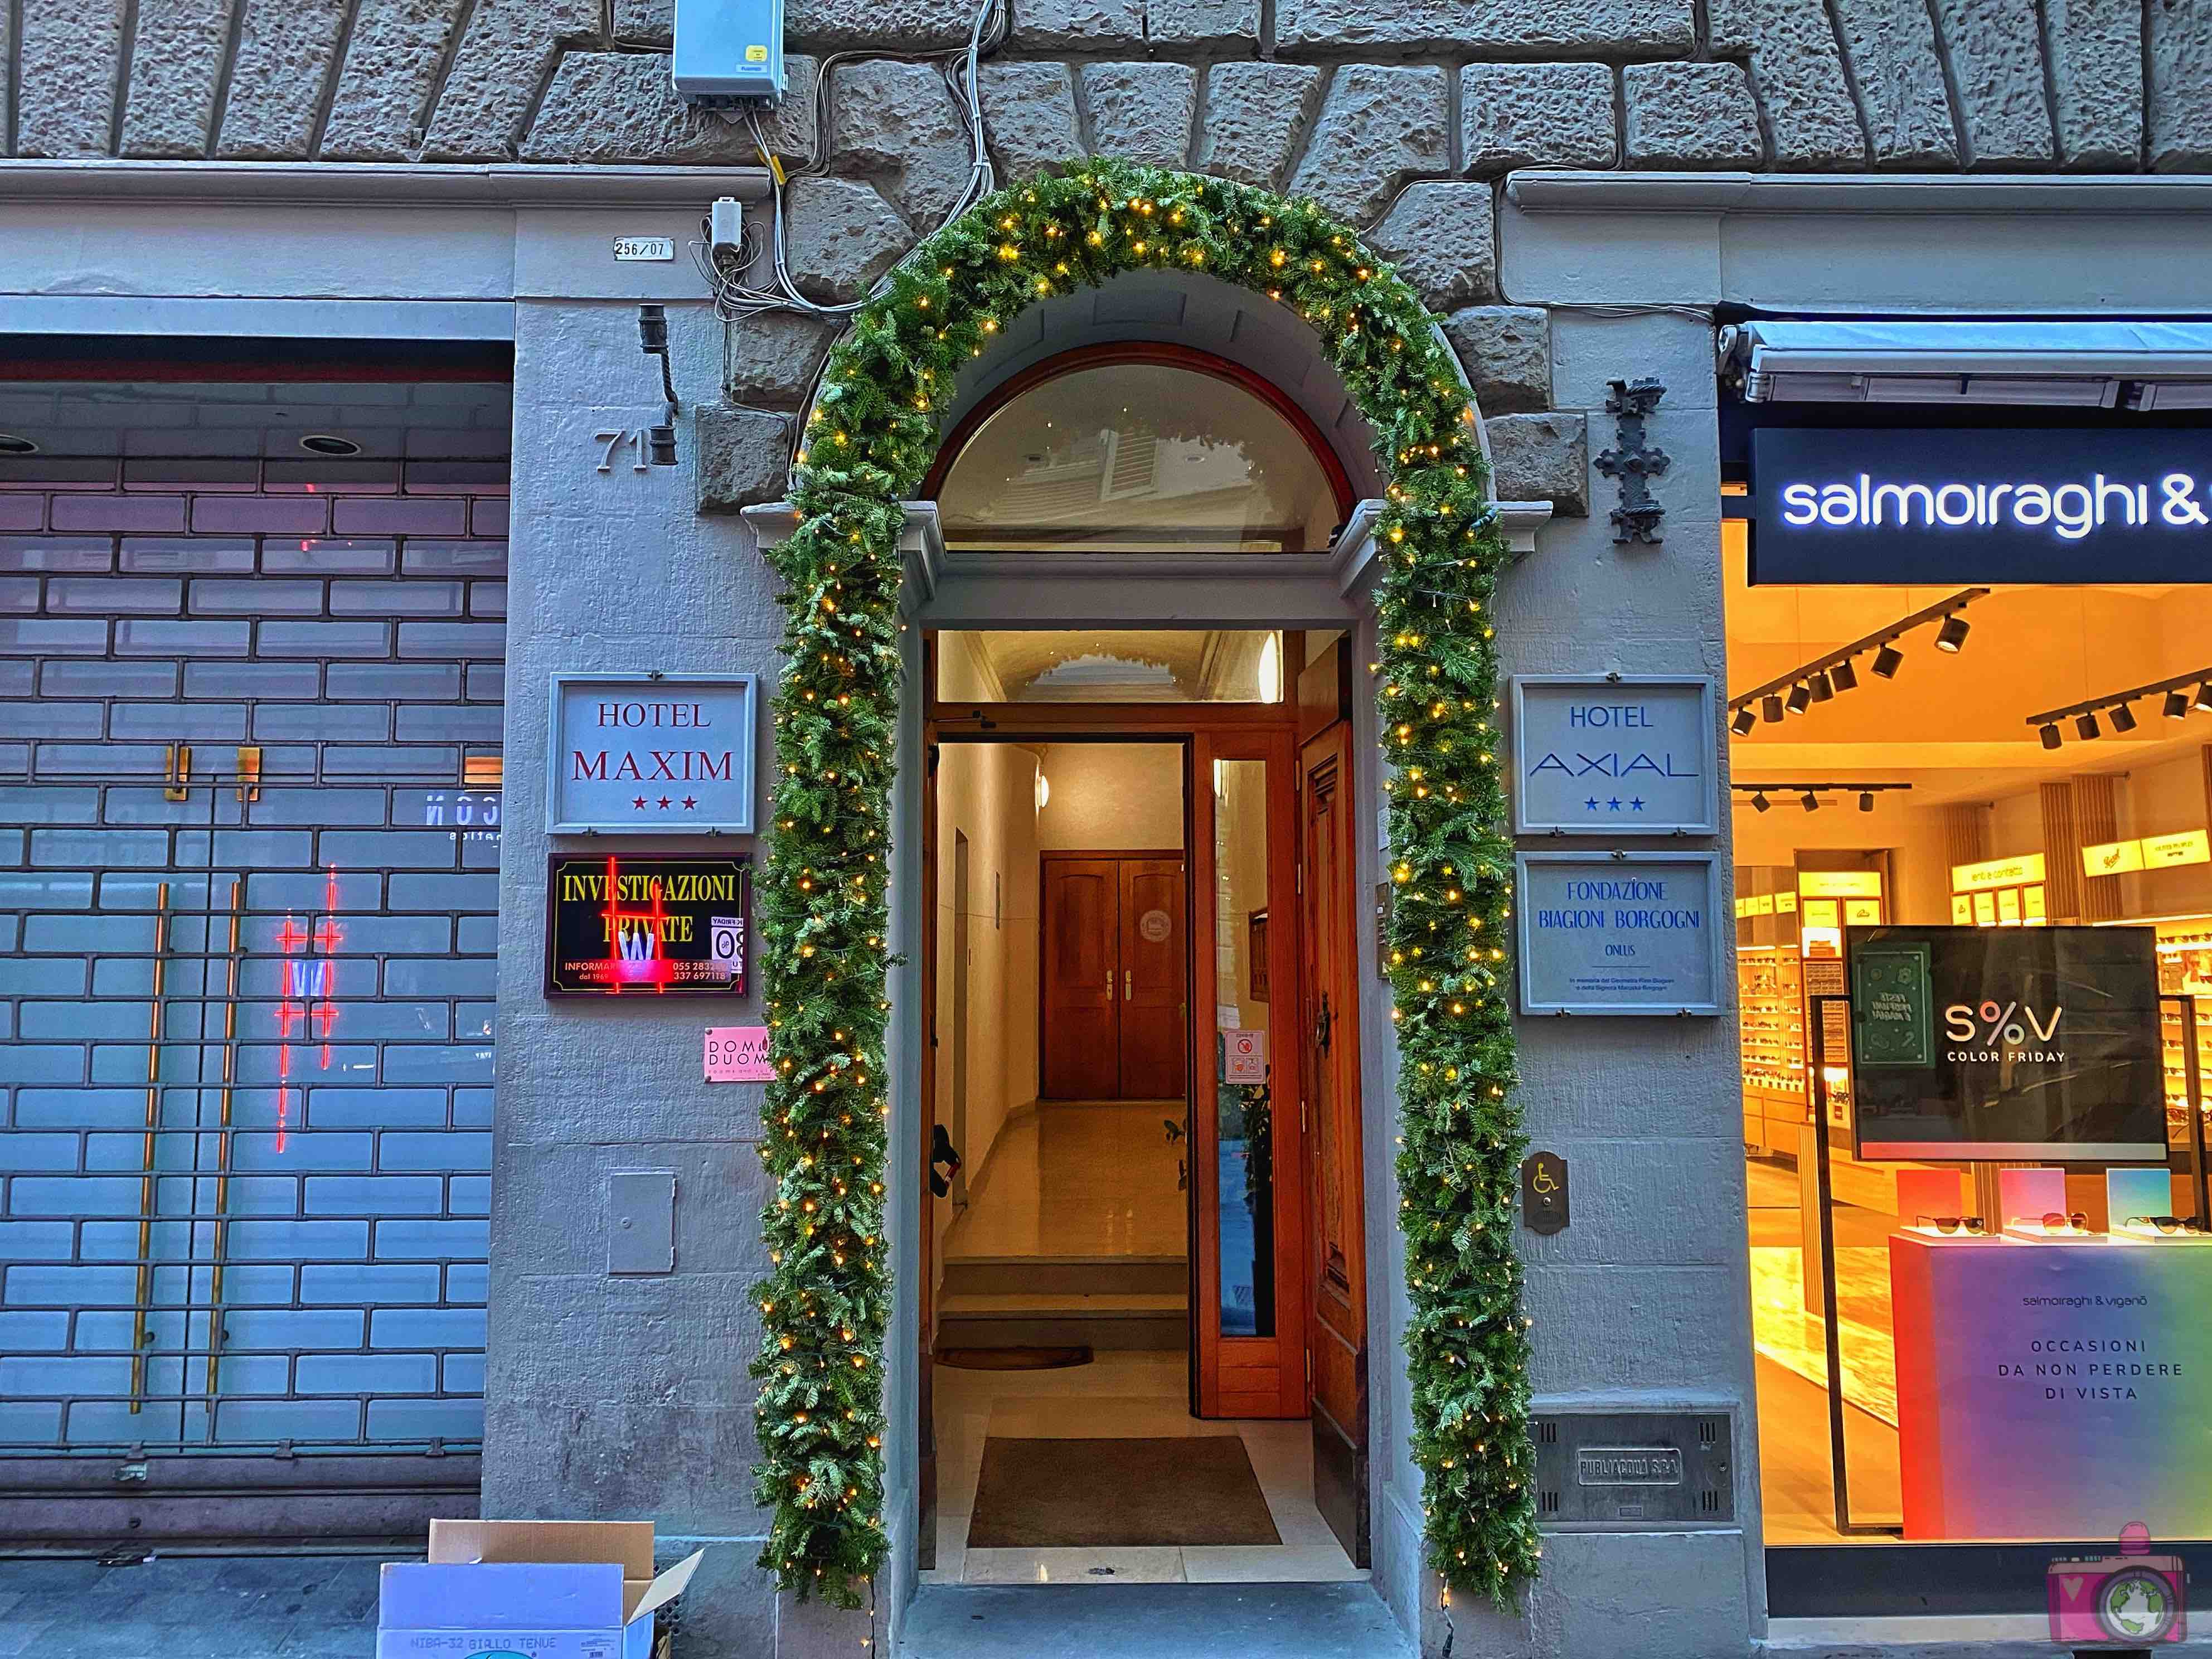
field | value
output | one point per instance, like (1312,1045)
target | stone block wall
(1400,117)
(1347,99)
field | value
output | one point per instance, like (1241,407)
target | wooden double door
(1114,993)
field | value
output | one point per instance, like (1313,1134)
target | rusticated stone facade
(1349,99)
(1400,117)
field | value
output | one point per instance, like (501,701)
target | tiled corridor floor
(1077,1178)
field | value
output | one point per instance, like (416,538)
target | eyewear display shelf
(2053,1386)
(1770,992)
(2184,984)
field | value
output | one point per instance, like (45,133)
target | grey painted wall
(622,1398)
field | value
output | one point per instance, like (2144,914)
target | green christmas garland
(824,917)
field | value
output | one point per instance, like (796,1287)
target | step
(1007,1319)
(1153,1621)
(1065,1275)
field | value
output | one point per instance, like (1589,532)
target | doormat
(1013,1359)
(1098,1494)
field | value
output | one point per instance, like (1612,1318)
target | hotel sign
(1614,754)
(1948,505)
(652,754)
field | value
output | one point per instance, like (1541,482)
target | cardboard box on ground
(529,1589)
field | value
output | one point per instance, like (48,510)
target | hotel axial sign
(1614,754)
(1941,505)
(652,754)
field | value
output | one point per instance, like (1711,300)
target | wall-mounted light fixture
(1271,668)
(652,340)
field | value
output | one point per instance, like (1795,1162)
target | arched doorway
(1123,975)
(1415,568)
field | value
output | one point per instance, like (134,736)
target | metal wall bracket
(176,772)
(1632,461)
(248,774)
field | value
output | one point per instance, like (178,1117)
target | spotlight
(1952,635)
(1800,699)
(1760,802)
(328,443)
(1845,677)
(2086,726)
(1866,800)
(1812,802)
(2123,718)
(2048,734)
(2203,700)
(1821,689)
(1887,661)
(2176,705)
(11,444)
(1770,708)
(1746,717)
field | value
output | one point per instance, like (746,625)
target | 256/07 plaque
(618,926)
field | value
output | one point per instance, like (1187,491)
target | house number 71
(635,437)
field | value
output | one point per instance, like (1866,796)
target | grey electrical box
(728,51)
(1623,1471)
(641,1221)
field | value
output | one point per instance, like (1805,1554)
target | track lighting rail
(2176,692)
(1809,794)
(1823,677)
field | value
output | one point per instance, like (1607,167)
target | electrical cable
(736,295)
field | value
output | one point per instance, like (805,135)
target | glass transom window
(1139,457)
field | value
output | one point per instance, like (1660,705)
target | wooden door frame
(1187,725)
(1282,1354)
(1058,854)
(1332,744)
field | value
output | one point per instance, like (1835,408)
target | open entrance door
(1248,1108)
(1336,1265)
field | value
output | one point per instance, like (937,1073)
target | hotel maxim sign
(652,754)
(1943,505)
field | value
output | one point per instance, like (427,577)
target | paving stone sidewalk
(203,1606)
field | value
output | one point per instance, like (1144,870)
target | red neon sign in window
(635,956)
(308,1007)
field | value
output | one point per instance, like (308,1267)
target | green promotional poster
(1892,1006)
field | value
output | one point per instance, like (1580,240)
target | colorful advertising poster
(2015,1043)
(2052,1390)
(650,926)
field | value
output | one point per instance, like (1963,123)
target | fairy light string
(825,1305)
